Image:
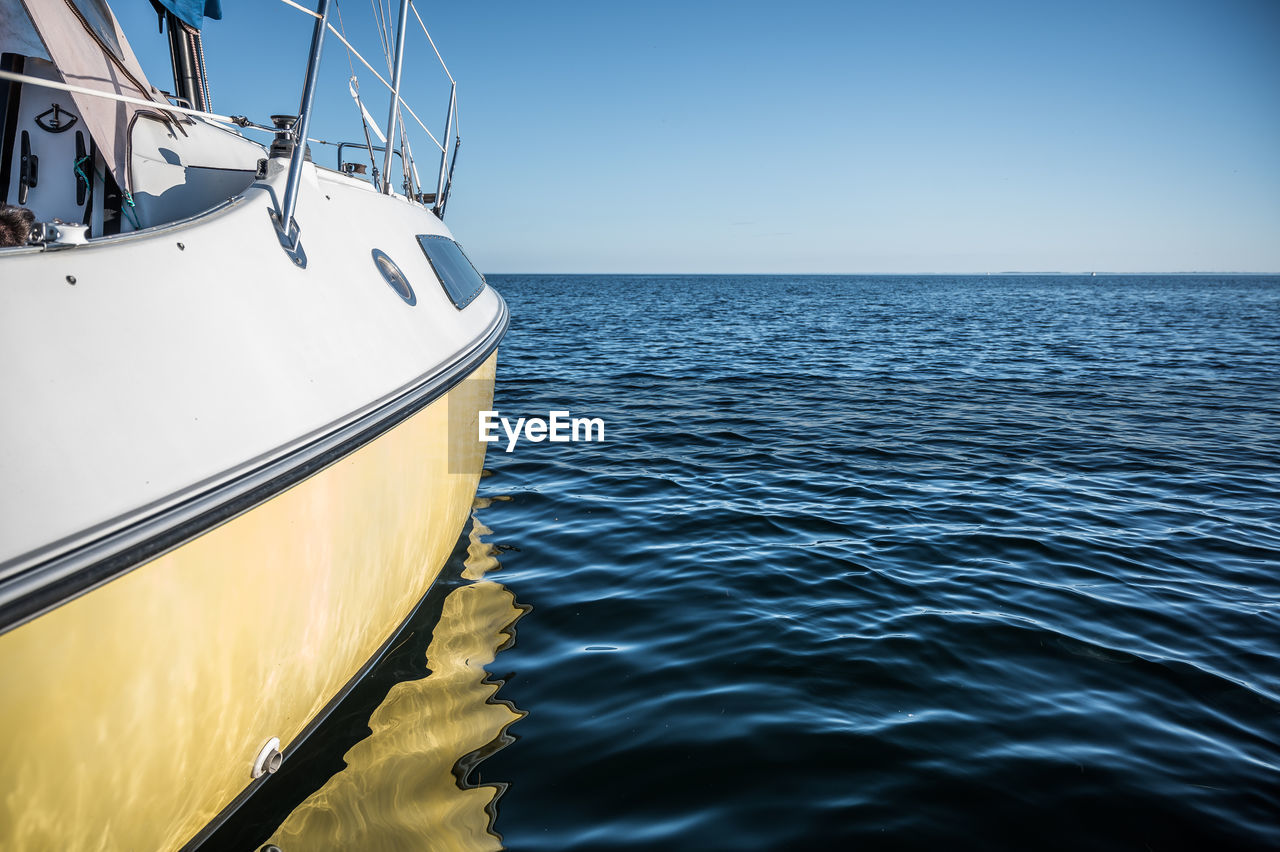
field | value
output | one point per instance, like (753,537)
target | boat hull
(133,714)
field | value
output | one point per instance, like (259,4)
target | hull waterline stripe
(82,566)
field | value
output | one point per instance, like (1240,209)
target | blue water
(903,562)
(908,562)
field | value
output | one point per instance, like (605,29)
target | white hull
(184,356)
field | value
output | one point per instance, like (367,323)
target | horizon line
(1044,273)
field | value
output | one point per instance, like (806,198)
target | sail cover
(87,46)
(193,12)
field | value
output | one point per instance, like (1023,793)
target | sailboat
(241,390)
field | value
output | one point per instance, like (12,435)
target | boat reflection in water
(408,785)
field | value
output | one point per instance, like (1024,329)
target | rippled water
(894,562)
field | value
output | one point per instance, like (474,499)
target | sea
(870,562)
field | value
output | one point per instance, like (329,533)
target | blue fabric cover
(194,12)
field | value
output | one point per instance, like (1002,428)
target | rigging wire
(41,82)
(243,122)
(353,85)
(382,17)
(300,8)
(386,16)
(382,31)
(453,101)
(409,172)
(372,70)
(431,41)
(407,164)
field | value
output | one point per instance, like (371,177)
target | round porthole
(395,278)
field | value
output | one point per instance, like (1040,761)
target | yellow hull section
(398,790)
(132,715)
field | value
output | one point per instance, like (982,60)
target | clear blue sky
(840,137)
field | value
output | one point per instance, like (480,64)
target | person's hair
(15,225)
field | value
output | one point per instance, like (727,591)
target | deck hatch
(459,277)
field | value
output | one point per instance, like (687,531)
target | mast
(186,53)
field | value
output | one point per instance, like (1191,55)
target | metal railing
(286,227)
(397,110)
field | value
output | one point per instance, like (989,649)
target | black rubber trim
(152,532)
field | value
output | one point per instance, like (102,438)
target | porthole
(394,277)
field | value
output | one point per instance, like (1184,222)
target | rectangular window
(460,278)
